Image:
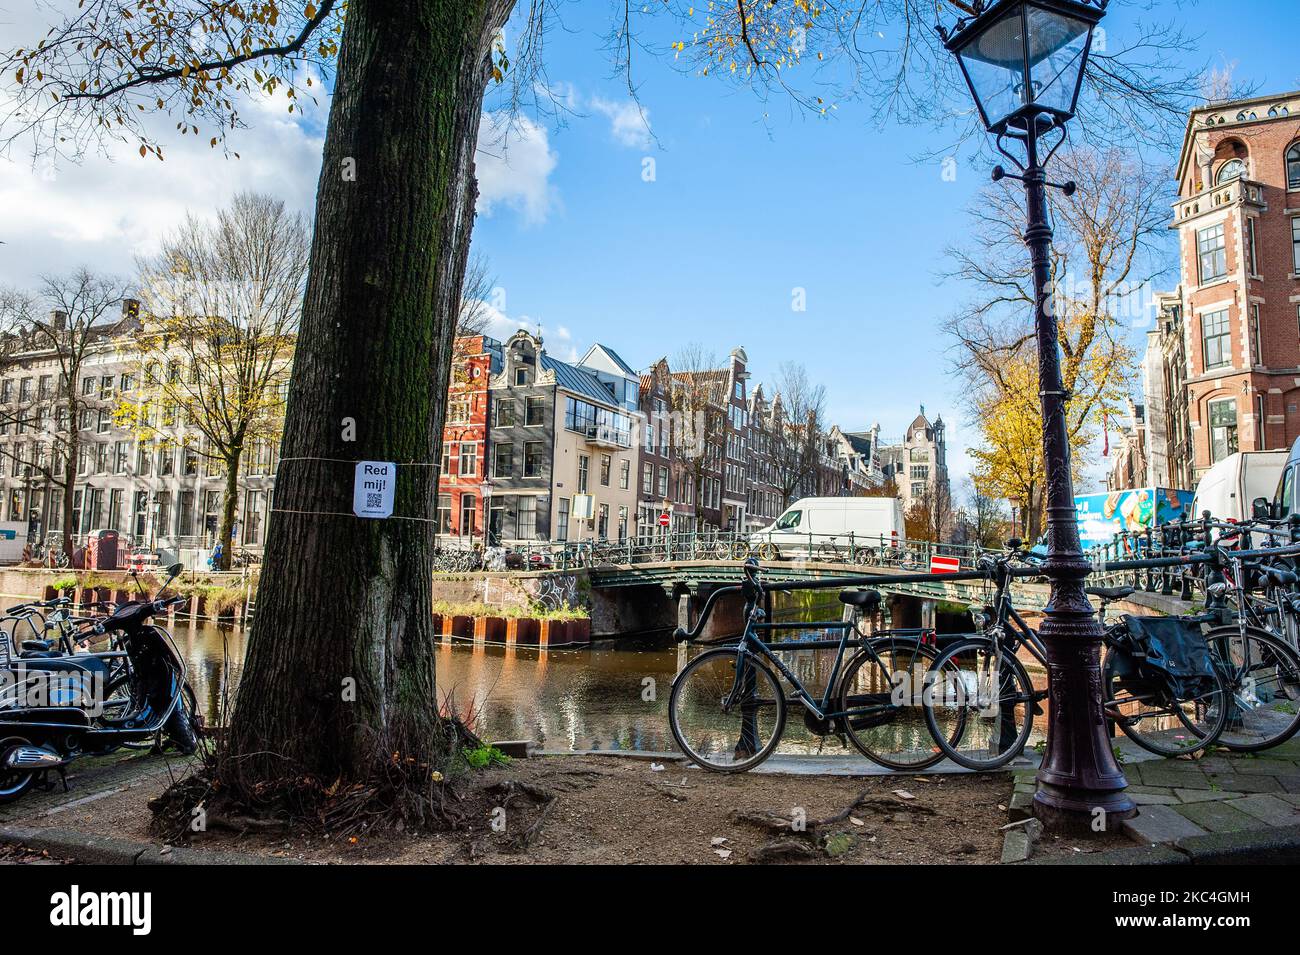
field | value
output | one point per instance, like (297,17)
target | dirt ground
(622,810)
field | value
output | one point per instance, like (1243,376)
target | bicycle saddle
(863,599)
(1110,593)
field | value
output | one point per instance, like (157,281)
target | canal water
(612,696)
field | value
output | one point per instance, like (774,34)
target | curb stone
(107,850)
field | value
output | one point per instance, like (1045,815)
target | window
(602,522)
(121,456)
(605,461)
(253,518)
(503,461)
(624,474)
(140,510)
(1223,428)
(87,386)
(584,464)
(663,483)
(562,519)
(468,455)
(164,525)
(1252,262)
(505,413)
(535,411)
(166,461)
(919,472)
(1295,245)
(648,478)
(527,518)
(106,386)
(458,409)
(1285,492)
(918,490)
(1210,253)
(468,507)
(186,516)
(142,460)
(521,376)
(534,452)
(45,389)
(1232,169)
(444,513)
(101,458)
(7,391)
(1216,340)
(649,438)
(190,462)
(622,522)
(445,467)
(788,520)
(1293,167)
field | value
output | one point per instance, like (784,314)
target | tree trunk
(229,501)
(340,666)
(69,479)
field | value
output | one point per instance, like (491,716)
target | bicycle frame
(750,645)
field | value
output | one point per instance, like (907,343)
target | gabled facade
(465,445)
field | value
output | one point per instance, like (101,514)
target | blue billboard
(1102,516)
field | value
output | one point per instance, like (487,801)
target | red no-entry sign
(665,519)
(944,565)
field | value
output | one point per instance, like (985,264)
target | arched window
(1293,166)
(1232,169)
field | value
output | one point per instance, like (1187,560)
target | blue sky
(744,209)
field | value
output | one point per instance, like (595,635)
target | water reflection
(613,696)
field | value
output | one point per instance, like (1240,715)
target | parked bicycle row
(1228,676)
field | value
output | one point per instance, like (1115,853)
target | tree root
(811,835)
(514,789)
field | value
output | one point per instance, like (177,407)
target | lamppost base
(1078,812)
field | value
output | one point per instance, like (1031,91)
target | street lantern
(1024,61)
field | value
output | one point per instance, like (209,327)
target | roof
(859,441)
(576,380)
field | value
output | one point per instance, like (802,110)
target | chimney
(59,320)
(130,308)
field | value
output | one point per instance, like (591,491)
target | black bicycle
(728,709)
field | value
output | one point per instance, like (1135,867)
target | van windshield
(788,519)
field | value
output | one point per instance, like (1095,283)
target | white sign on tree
(373,489)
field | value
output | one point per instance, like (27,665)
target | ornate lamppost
(1024,62)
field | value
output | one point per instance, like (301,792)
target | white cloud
(514,166)
(109,208)
(629,123)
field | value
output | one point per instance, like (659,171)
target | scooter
(53,709)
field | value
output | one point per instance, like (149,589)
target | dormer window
(1232,169)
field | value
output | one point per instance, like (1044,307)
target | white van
(816,525)
(1228,488)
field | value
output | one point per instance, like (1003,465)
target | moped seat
(864,599)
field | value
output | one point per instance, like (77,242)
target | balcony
(1235,192)
(603,436)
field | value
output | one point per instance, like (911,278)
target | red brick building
(465,438)
(1238,223)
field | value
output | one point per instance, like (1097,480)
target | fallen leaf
(856,821)
(723,853)
(718,840)
(903,794)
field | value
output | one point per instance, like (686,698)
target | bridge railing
(843,548)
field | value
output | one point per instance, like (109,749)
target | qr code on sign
(374,500)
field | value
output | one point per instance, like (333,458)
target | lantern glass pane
(1056,48)
(995,62)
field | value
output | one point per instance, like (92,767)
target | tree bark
(340,667)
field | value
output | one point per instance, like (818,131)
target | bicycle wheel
(768,551)
(1262,672)
(979,705)
(1149,714)
(722,723)
(881,695)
